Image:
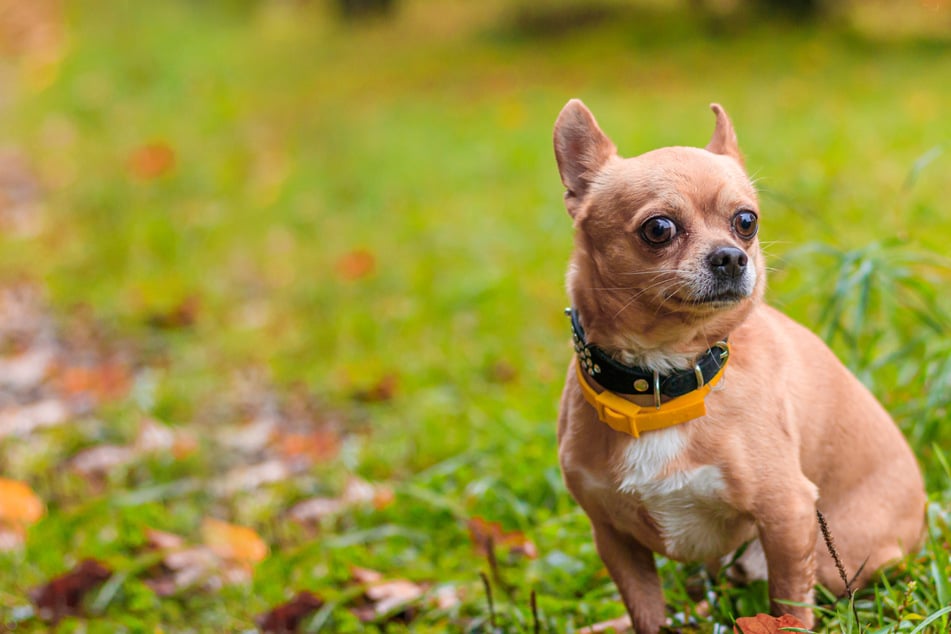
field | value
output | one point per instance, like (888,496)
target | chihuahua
(697,421)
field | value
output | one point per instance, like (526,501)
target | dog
(696,419)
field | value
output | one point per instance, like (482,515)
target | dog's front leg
(632,567)
(788,531)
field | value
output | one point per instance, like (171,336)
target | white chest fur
(687,506)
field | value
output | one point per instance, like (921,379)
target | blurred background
(256,255)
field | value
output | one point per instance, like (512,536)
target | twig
(536,626)
(830,545)
(827,536)
(488,595)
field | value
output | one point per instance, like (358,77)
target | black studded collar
(624,379)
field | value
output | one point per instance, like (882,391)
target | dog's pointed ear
(724,137)
(581,149)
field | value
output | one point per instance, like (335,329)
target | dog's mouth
(721,299)
(713,301)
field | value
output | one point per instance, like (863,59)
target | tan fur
(791,429)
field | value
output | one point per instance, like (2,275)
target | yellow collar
(630,418)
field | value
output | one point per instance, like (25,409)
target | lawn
(290,291)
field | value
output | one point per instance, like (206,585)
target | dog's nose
(727,261)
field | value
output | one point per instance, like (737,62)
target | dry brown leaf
(19,505)
(483,533)
(618,625)
(287,617)
(382,391)
(63,595)
(230,541)
(356,265)
(502,372)
(152,161)
(765,624)
(183,315)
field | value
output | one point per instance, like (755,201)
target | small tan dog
(666,281)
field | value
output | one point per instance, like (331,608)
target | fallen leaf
(380,392)
(618,625)
(483,533)
(765,624)
(152,161)
(356,265)
(356,492)
(502,372)
(162,540)
(63,595)
(20,421)
(287,617)
(447,597)
(21,196)
(181,316)
(183,568)
(387,595)
(106,381)
(154,436)
(387,599)
(19,505)
(317,445)
(365,575)
(229,541)
(27,370)
(250,477)
(96,462)
(11,538)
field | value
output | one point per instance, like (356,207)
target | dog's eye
(745,224)
(659,230)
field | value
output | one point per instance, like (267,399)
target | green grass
(425,141)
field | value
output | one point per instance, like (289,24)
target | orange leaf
(18,503)
(765,624)
(356,265)
(230,541)
(317,445)
(152,160)
(108,381)
(484,533)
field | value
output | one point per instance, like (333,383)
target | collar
(687,389)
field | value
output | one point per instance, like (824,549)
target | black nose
(727,261)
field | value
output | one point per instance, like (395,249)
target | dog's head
(666,257)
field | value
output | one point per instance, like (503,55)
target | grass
(420,146)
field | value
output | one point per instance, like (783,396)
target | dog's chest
(686,507)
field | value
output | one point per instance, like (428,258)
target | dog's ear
(581,150)
(724,137)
